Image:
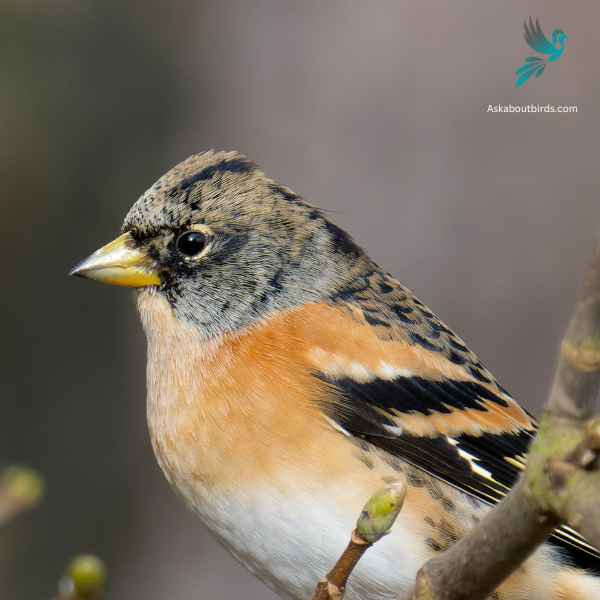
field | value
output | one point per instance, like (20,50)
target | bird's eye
(191,243)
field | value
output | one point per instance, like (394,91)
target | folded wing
(402,381)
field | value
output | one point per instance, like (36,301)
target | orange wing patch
(343,348)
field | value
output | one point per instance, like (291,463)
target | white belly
(290,541)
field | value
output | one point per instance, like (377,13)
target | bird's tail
(533,66)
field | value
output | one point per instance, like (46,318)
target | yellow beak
(119,263)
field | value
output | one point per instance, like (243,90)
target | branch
(375,521)
(561,483)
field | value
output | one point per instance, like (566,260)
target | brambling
(289,378)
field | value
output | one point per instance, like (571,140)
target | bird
(289,377)
(537,41)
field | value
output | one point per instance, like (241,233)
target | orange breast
(238,410)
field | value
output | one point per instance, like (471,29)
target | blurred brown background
(374,110)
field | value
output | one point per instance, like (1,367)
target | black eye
(191,243)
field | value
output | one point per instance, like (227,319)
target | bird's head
(559,38)
(225,245)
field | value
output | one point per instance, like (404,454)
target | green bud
(88,575)
(22,485)
(380,512)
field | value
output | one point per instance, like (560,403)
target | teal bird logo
(537,41)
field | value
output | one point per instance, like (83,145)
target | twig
(560,485)
(333,585)
(375,521)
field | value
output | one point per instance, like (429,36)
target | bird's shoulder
(396,314)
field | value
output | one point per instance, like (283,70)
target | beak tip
(76,271)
